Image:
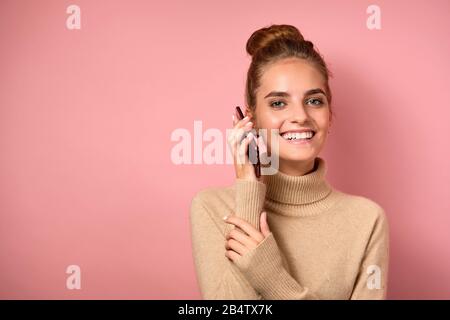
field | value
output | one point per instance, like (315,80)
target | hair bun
(262,37)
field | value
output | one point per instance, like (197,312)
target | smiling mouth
(297,136)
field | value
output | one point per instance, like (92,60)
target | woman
(290,235)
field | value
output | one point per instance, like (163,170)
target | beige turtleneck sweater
(324,244)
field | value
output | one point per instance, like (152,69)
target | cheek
(322,120)
(323,124)
(268,120)
(272,123)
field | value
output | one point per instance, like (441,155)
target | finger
(231,139)
(261,144)
(242,238)
(236,143)
(252,151)
(243,147)
(237,124)
(236,246)
(241,123)
(245,226)
(239,130)
(264,225)
(233,256)
(236,119)
(234,138)
(241,133)
(263,157)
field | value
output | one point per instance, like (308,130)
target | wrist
(250,196)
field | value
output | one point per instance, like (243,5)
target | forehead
(294,75)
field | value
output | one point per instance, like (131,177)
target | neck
(299,189)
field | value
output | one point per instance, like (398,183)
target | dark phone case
(257,165)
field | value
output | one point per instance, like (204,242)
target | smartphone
(253,145)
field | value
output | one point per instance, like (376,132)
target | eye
(275,104)
(316,101)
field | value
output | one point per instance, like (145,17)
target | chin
(306,156)
(289,152)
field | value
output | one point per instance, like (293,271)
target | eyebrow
(285,94)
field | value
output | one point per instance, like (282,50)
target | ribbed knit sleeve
(264,270)
(249,198)
(262,267)
(371,282)
(217,277)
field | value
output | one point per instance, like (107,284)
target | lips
(298,135)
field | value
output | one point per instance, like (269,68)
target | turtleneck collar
(299,190)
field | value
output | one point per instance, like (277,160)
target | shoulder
(213,201)
(211,195)
(362,211)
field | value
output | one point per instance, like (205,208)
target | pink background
(86,118)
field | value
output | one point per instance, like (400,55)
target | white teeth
(297,135)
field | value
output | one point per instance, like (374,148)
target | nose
(298,113)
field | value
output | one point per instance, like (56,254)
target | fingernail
(248,124)
(245,118)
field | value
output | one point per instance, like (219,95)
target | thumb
(264,225)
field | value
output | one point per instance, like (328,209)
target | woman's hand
(243,167)
(240,242)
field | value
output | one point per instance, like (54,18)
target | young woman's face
(291,97)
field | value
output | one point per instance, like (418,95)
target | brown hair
(271,44)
